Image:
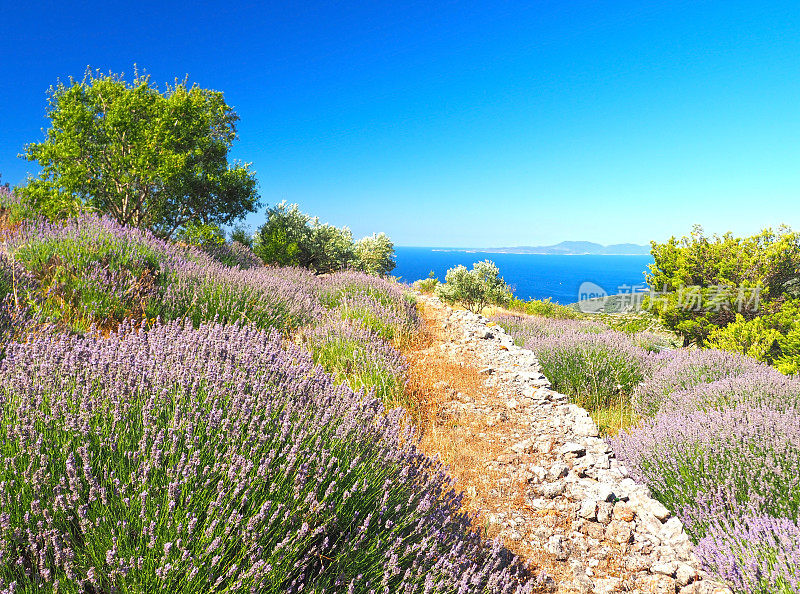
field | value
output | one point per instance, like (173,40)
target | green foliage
(545,308)
(290,237)
(282,238)
(146,158)
(476,288)
(201,234)
(702,282)
(427,285)
(789,360)
(375,254)
(748,337)
(242,234)
(328,248)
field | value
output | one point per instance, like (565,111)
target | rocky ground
(577,514)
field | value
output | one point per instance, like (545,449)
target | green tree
(375,254)
(702,282)
(243,235)
(476,288)
(147,158)
(327,248)
(284,235)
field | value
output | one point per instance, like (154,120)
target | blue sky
(469,124)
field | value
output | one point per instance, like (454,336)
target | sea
(532,276)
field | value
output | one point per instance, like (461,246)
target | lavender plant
(376,303)
(233,253)
(754,554)
(217,459)
(716,465)
(596,366)
(682,369)
(762,387)
(733,477)
(598,370)
(95,272)
(524,328)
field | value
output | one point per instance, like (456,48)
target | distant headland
(565,248)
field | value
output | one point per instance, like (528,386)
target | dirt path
(532,467)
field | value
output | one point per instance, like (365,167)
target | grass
(544,308)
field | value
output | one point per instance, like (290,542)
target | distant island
(567,248)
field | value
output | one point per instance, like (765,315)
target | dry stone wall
(576,474)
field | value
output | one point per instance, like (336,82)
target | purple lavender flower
(186,460)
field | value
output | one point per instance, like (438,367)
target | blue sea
(532,276)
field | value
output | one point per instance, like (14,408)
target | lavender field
(182,421)
(713,434)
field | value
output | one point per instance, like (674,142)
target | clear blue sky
(463,123)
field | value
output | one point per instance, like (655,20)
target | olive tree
(476,288)
(375,254)
(290,237)
(147,158)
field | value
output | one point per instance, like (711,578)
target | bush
(427,285)
(292,238)
(760,387)
(718,464)
(754,554)
(379,305)
(596,370)
(234,254)
(92,271)
(703,281)
(217,459)
(684,369)
(545,308)
(476,288)
(747,337)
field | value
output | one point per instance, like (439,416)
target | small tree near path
(476,288)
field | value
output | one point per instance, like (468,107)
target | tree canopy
(146,158)
(476,288)
(731,292)
(290,237)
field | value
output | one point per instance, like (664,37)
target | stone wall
(576,475)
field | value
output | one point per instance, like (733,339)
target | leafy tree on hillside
(290,237)
(284,235)
(375,254)
(328,248)
(147,158)
(702,284)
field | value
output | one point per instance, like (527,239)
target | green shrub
(476,288)
(545,308)
(427,285)
(702,281)
(748,337)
